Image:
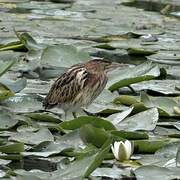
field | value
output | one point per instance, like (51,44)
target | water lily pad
(16,46)
(33,138)
(118,117)
(114,173)
(5,92)
(28,41)
(47,117)
(130,135)
(145,120)
(48,149)
(155,172)
(125,77)
(69,141)
(149,146)
(165,105)
(83,167)
(15,86)
(12,148)
(7,119)
(24,103)
(140,51)
(4,162)
(166,57)
(103,104)
(169,151)
(63,56)
(80,121)
(93,135)
(165,87)
(5,65)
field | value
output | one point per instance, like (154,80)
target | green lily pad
(83,167)
(166,57)
(48,149)
(93,135)
(165,87)
(148,146)
(130,135)
(28,41)
(12,148)
(4,162)
(126,100)
(5,92)
(24,103)
(169,150)
(47,117)
(78,169)
(80,121)
(33,138)
(68,141)
(113,173)
(63,56)
(5,65)
(125,77)
(103,104)
(15,86)
(145,120)
(140,51)
(164,104)
(7,119)
(16,46)
(156,172)
(118,117)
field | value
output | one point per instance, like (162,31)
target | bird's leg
(65,115)
(74,114)
(132,89)
(88,113)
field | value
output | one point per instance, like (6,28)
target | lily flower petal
(128,147)
(122,150)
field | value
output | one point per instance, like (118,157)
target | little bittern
(79,85)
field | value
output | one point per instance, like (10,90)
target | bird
(79,85)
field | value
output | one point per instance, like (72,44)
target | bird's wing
(66,87)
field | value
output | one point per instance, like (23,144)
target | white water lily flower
(122,150)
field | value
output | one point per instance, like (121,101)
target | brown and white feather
(77,87)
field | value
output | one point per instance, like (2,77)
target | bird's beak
(113,66)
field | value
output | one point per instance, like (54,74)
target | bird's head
(100,65)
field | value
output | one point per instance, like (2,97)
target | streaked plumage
(78,86)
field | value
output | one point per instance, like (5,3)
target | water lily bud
(122,150)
